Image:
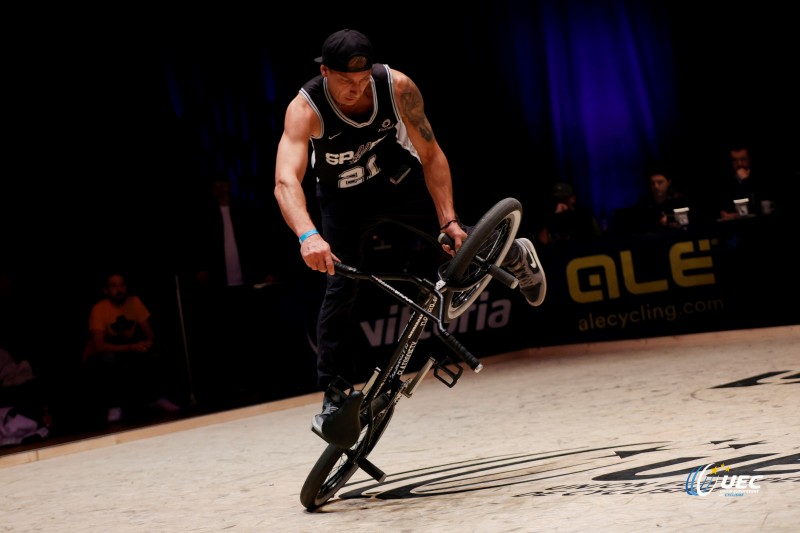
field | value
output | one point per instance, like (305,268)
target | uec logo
(699,483)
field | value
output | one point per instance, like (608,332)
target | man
(228,250)
(230,266)
(656,208)
(120,356)
(568,220)
(375,158)
(741,182)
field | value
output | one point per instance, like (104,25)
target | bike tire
(490,239)
(337,465)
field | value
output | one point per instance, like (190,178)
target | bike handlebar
(346,270)
(503,276)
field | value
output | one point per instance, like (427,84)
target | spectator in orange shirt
(121,357)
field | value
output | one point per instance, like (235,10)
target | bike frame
(412,331)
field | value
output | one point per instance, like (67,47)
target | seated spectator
(655,208)
(122,362)
(567,220)
(743,179)
(24,397)
(23,406)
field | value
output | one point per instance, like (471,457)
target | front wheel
(488,242)
(337,465)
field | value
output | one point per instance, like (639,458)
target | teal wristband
(308,234)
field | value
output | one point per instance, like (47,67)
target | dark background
(117,120)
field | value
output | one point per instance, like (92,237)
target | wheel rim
(467,285)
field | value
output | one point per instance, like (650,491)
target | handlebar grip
(344,269)
(461,351)
(444,238)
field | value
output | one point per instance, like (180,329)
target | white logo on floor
(704,479)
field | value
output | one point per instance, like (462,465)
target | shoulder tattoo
(412,107)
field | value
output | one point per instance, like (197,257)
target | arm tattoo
(411,106)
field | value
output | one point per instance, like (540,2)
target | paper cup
(681,215)
(742,207)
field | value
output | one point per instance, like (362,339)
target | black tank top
(349,154)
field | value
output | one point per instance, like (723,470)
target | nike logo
(334,135)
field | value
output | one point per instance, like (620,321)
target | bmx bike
(366,413)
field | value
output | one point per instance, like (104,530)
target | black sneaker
(523,262)
(339,422)
(329,406)
(335,396)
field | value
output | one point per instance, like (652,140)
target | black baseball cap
(340,47)
(562,190)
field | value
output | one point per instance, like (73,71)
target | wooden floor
(599,437)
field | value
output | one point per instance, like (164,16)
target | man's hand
(451,238)
(317,254)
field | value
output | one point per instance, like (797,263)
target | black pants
(349,217)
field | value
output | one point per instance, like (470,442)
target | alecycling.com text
(649,313)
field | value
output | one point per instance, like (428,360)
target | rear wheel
(337,465)
(467,273)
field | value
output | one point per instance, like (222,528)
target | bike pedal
(448,375)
